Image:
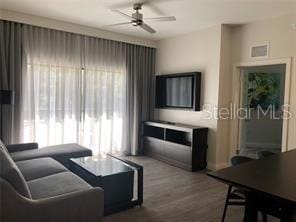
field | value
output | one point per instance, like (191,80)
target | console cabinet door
(178,153)
(154,146)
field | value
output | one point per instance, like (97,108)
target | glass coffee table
(116,176)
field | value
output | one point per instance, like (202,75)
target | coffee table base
(118,188)
(132,203)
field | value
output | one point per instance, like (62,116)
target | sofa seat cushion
(37,168)
(56,184)
(60,153)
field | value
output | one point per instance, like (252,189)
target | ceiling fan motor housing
(137,19)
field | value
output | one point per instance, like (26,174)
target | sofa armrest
(21,147)
(86,205)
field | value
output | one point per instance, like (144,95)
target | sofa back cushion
(2,146)
(10,172)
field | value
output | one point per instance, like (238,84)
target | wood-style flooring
(175,195)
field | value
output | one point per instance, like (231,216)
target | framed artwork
(264,90)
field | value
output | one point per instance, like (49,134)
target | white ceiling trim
(74,28)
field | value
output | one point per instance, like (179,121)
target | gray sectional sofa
(35,187)
(61,153)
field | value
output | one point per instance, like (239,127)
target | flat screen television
(179,91)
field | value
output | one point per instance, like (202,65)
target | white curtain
(104,95)
(74,90)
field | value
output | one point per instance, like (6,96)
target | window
(67,102)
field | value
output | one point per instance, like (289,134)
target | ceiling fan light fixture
(134,23)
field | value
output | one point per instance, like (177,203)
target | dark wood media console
(181,145)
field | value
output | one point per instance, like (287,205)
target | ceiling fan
(137,19)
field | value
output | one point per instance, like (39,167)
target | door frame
(237,92)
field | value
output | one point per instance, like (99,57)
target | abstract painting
(264,90)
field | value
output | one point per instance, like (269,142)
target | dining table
(269,185)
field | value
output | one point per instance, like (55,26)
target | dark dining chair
(264,153)
(272,206)
(236,196)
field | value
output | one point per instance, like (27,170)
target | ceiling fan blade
(147,28)
(123,14)
(161,19)
(123,23)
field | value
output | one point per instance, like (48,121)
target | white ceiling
(191,15)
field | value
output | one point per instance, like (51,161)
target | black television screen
(178,91)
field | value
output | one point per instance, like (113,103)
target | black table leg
(288,214)
(251,210)
(140,184)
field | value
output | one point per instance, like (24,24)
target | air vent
(260,51)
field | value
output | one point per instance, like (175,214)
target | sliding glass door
(73,90)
